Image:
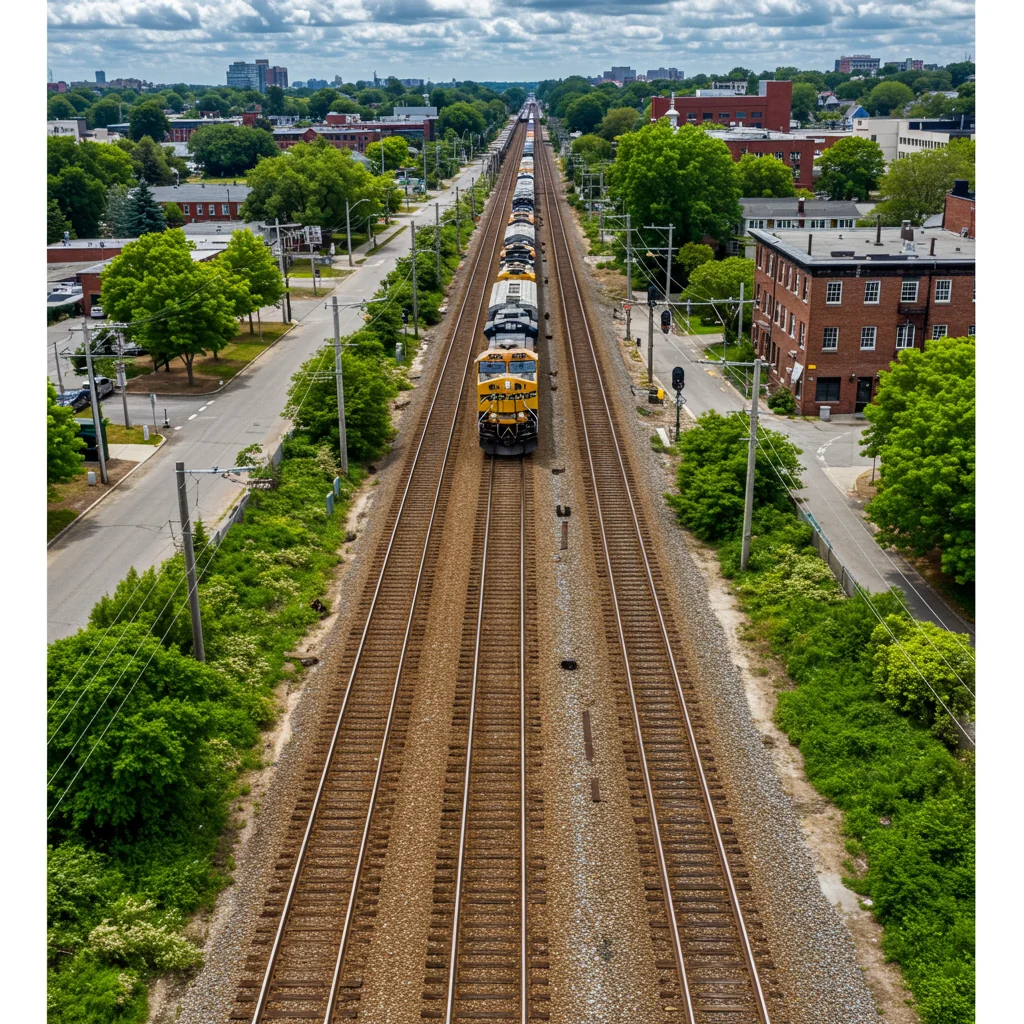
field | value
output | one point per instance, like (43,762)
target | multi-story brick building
(345,131)
(200,202)
(833,309)
(958,215)
(798,152)
(770,108)
(858,62)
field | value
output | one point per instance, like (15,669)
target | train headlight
(521,416)
(493,417)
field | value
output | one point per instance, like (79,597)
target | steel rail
(762,1006)
(523,972)
(300,859)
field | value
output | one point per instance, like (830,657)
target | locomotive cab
(507,400)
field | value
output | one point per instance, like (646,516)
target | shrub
(782,402)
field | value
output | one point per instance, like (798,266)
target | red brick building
(769,109)
(200,202)
(833,309)
(343,133)
(958,215)
(798,152)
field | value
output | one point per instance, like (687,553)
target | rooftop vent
(842,253)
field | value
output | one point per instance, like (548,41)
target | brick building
(201,202)
(770,108)
(798,152)
(787,213)
(353,134)
(958,215)
(833,309)
(858,62)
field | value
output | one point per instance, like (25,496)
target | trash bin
(825,412)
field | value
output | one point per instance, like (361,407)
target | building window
(707,116)
(186,209)
(199,209)
(943,290)
(755,224)
(740,113)
(225,209)
(905,336)
(867,338)
(778,154)
(908,293)
(723,115)
(872,292)
(757,294)
(805,289)
(794,155)
(756,113)
(691,116)
(803,332)
(771,264)
(818,223)
(827,389)
(796,177)
(833,293)
(939,330)
(796,283)
(785,224)
(792,325)
(830,339)
(970,331)
(789,269)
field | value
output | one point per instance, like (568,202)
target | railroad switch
(569,664)
(563,511)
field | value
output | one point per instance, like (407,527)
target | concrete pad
(133,452)
(844,477)
(836,893)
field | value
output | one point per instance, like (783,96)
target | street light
(348,226)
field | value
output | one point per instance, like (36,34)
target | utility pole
(122,378)
(458,235)
(472,196)
(95,402)
(424,167)
(198,652)
(437,240)
(668,270)
(56,362)
(286,310)
(415,301)
(348,233)
(739,325)
(748,503)
(629,278)
(312,266)
(342,435)
(650,344)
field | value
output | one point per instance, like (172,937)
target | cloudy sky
(486,40)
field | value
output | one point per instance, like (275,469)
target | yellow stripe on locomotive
(507,400)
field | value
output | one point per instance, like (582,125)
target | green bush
(782,402)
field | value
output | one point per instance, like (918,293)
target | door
(863,392)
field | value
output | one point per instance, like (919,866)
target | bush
(782,402)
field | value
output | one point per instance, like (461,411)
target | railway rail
(712,956)
(487,952)
(309,958)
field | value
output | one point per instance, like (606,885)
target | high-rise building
(620,74)
(248,76)
(101,77)
(277,76)
(858,62)
(665,75)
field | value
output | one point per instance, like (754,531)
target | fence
(237,514)
(824,548)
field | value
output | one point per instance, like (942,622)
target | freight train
(507,374)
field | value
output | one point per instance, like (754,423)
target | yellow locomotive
(507,400)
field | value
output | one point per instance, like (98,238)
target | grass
(308,293)
(380,245)
(300,271)
(119,434)
(57,519)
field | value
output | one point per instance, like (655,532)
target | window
(199,209)
(785,224)
(225,209)
(756,113)
(796,177)
(908,293)
(792,325)
(778,154)
(771,264)
(803,332)
(723,115)
(796,283)
(872,292)
(970,330)
(830,339)
(804,296)
(874,138)
(757,294)
(757,253)
(818,223)
(789,269)
(794,155)
(943,289)
(833,293)
(939,330)
(905,336)
(707,116)
(867,338)
(827,389)
(691,116)
(186,209)
(740,113)
(755,224)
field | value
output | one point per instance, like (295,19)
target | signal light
(678,378)
(666,321)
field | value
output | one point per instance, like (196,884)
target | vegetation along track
(488,955)
(308,960)
(712,956)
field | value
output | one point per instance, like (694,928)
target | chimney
(960,188)
(810,240)
(931,249)
(800,207)
(878,229)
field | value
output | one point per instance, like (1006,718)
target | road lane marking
(177,428)
(193,416)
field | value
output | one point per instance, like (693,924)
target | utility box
(87,432)
(825,412)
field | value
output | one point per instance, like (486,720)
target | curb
(85,511)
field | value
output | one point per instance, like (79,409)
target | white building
(901,137)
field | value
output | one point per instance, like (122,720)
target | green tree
(119,216)
(764,176)
(275,99)
(81,198)
(851,90)
(888,99)
(719,281)
(104,113)
(151,163)
(932,105)
(960,71)
(461,117)
(63,445)
(321,103)
(181,309)
(369,388)
(691,256)
(916,187)
(396,153)
(145,214)
(223,150)
(59,108)
(685,178)
(514,97)
(56,222)
(213,102)
(850,169)
(249,258)
(922,430)
(618,121)
(173,215)
(591,148)
(148,119)
(584,114)
(804,102)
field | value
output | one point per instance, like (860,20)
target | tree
(81,199)
(922,429)
(148,119)
(104,113)
(850,90)
(888,99)
(213,102)
(617,121)
(691,256)
(119,214)
(63,445)
(151,163)
(591,148)
(584,114)
(960,71)
(719,281)
(514,97)
(181,309)
(461,117)
(224,150)
(173,215)
(145,214)
(60,108)
(248,258)
(56,222)
(764,176)
(916,187)
(396,153)
(804,102)
(321,103)
(850,169)
(685,178)
(275,99)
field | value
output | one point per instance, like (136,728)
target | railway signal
(678,378)
(666,320)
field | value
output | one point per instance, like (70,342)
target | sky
(484,40)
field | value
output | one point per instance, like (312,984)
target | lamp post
(348,227)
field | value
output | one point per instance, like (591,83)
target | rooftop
(743,133)
(198,192)
(789,207)
(856,245)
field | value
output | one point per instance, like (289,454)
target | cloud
(487,40)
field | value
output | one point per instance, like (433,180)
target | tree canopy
(584,113)
(922,429)
(617,121)
(248,258)
(461,117)
(888,99)
(916,186)
(145,214)
(850,169)
(223,150)
(396,153)
(591,148)
(763,176)
(63,445)
(804,102)
(148,119)
(719,280)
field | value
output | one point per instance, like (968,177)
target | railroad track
(309,957)
(487,952)
(711,954)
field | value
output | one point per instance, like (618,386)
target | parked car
(104,386)
(76,399)
(96,312)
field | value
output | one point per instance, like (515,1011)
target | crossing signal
(652,295)
(666,320)
(678,378)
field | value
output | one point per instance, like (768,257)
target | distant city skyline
(194,41)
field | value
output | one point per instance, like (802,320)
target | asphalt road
(131,526)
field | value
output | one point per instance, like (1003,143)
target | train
(507,370)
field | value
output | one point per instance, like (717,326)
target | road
(832,462)
(131,527)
